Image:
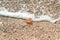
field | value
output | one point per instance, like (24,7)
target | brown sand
(18,29)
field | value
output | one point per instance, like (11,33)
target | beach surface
(12,28)
(18,29)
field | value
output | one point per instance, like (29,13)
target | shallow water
(36,10)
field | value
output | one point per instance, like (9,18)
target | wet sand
(18,29)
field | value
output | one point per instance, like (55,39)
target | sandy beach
(17,28)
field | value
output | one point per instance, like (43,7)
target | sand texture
(18,29)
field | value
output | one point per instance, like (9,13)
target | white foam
(26,15)
(1,22)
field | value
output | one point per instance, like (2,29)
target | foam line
(26,15)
